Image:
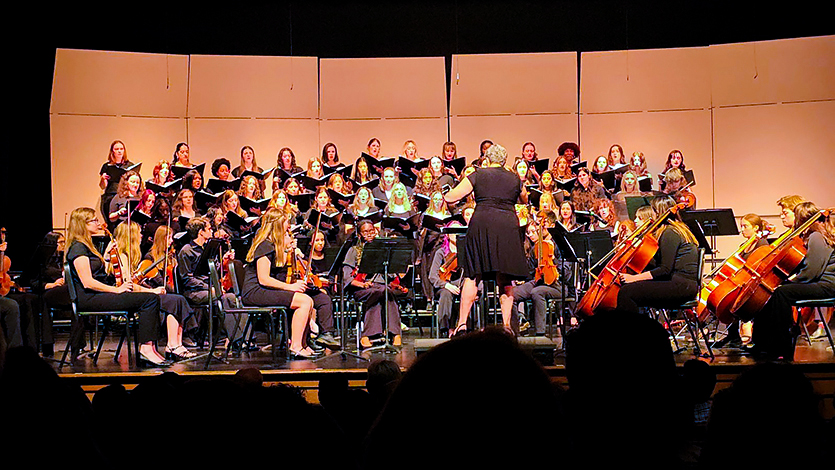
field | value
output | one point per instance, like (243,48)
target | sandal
(179,353)
(460,330)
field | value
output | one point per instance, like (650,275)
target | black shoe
(48,350)
(327,340)
(146,363)
(301,357)
(315,347)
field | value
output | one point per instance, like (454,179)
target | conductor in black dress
(493,248)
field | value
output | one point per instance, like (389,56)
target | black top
(819,264)
(187,260)
(77,250)
(494,241)
(675,256)
(266,248)
(112,186)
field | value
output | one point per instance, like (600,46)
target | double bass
(631,257)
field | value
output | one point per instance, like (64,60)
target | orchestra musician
(775,331)
(675,277)
(494,245)
(445,285)
(174,306)
(87,268)
(676,186)
(267,262)
(371,292)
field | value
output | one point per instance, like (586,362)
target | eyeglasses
(92,220)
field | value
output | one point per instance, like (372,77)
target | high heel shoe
(298,356)
(460,330)
(180,353)
(146,363)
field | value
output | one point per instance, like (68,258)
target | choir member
(373,147)
(330,155)
(193,181)
(162,173)
(616,155)
(410,151)
(383,190)
(117,156)
(184,205)
(130,186)
(362,206)
(570,150)
(674,160)
(567,217)
(222,169)
(587,191)
(181,155)
(443,175)
(362,173)
(426,183)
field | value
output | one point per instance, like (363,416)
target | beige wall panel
(654,79)
(547,132)
(213,138)
(119,83)
(765,152)
(382,88)
(655,134)
(773,71)
(80,145)
(513,83)
(351,136)
(251,86)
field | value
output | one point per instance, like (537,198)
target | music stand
(567,254)
(594,245)
(386,254)
(337,274)
(711,223)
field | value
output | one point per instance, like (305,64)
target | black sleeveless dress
(494,241)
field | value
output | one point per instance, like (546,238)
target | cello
(631,257)
(767,268)
(709,300)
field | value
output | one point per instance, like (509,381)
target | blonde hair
(128,238)
(273,228)
(407,204)
(160,246)
(225,197)
(77,230)
(790,202)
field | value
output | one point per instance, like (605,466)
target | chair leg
(101,344)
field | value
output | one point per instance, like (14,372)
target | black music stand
(567,255)
(336,273)
(710,223)
(386,254)
(593,246)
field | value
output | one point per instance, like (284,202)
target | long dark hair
(805,210)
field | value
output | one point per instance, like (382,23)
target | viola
(546,270)
(766,268)
(6,282)
(711,300)
(631,257)
(115,260)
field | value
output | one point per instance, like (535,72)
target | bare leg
(505,299)
(175,332)
(149,350)
(302,306)
(469,290)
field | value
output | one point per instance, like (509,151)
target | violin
(115,260)
(631,257)
(768,267)
(449,266)
(546,270)
(6,282)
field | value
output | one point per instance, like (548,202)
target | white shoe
(819,334)
(403,327)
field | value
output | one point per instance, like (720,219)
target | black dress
(494,242)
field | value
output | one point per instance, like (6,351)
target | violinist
(87,268)
(181,155)
(130,187)
(371,292)
(267,282)
(675,277)
(49,283)
(676,186)
(541,252)
(196,288)
(174,306)
(775,330)
(446,279)
(117,156)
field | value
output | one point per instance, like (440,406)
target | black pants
(774,326)
(658,294)
(58,298)
(29,304)
(143,304)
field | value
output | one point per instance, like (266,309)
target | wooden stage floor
(816,361)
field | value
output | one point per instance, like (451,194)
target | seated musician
(196,288)
(775,330)
(266,273)
(447,284)
(538,291)
(675,277)
(676,187)
(371,292)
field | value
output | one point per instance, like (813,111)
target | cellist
(675,277)
(775,330)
